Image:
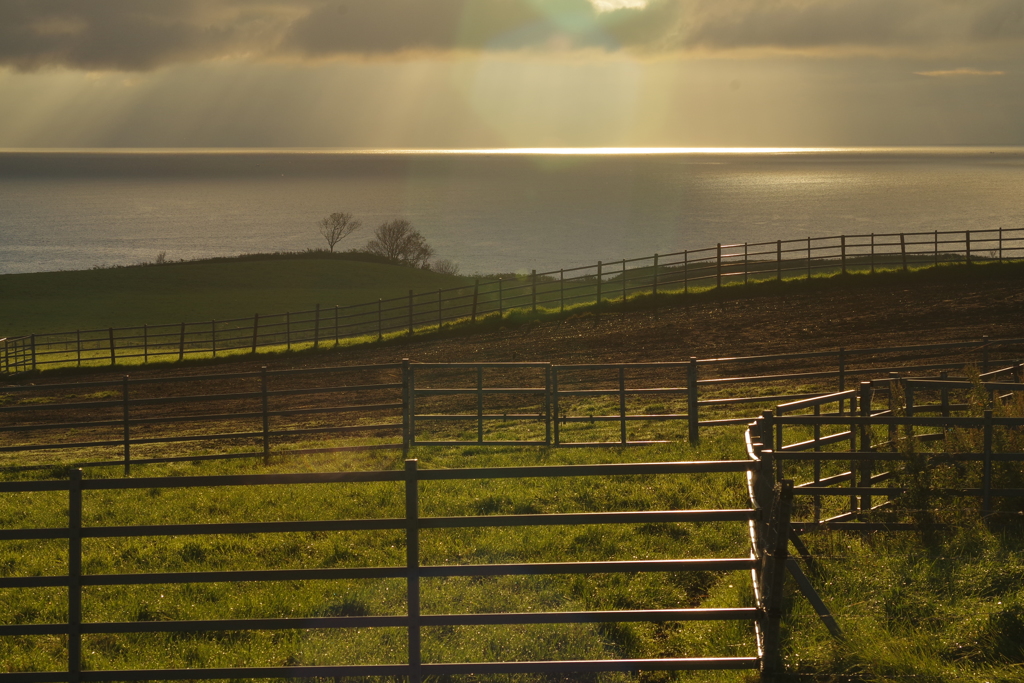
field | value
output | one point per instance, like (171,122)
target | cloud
(962,71)
(130,35)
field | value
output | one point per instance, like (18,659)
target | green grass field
(176,292)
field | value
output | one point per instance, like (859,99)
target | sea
(488,211)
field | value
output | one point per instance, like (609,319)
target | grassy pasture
(193,291)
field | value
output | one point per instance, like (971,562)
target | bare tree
(398,241)
(336,227)
(445,267)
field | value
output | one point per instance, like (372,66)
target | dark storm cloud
(144,34)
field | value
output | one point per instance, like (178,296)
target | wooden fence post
(181,344)
(255,329)
(113,360)
(773,574)
(316,327)
(903,250)
(266,415)
(718,265)
(692,408)
(533,289)
(476,296)
(778,260)
(412,561)
(126,424)
(75,576)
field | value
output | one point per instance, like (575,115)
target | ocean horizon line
(524,151)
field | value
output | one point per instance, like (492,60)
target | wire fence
(600,284)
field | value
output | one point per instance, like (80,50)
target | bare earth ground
(855,312)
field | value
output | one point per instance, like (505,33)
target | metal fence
(412,571)
(401,405)
(840,449)
(598,284)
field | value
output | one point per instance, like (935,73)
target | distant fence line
(553,290)
(403,405)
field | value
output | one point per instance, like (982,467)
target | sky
(459,74)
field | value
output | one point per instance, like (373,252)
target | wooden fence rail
(412,571)
(556,290)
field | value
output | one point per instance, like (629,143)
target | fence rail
(412,571)
(555,290)
(400,405)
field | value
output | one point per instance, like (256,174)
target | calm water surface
(487,211)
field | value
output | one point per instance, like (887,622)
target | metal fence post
(410,312)
(32,346)
(654,289)
(316,327)
(533,289)
(75,576)
(718,265)
(145,343)
(622,406)
(686,273)
(266,415)
(213,337)
(624,290)
(476,297)
(255,330)
(903,251)
(380,319)
(872,252)
(773,574)
(808,258)
(842,247)
(555,406)
(337,341)
(78,347)
(440,313)
(561,290)
(967,240)
(547,404)
(598,284)
(479,404)
(127,426)
(113,360)
(1000,244)
(288,329)
(936,248)
(181,344)
(412,561)
(778,260)
(692,408)
(986,476)
(406,406)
